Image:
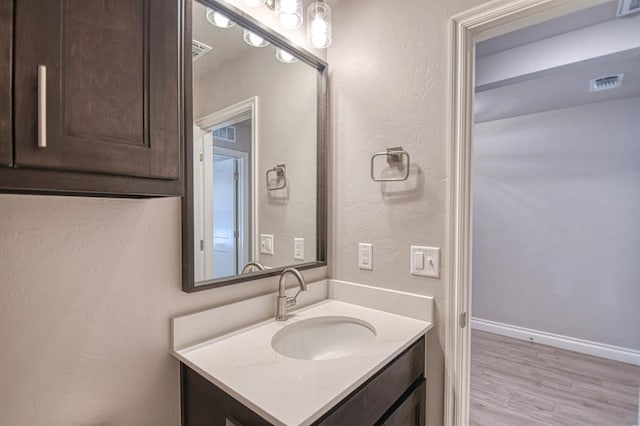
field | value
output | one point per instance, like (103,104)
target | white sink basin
(323,338)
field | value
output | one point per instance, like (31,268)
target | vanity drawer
(369,403)
(410,409)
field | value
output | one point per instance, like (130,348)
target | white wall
(389,87)
(556,234)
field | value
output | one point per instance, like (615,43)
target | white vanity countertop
(287,391)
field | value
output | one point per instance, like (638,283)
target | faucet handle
(291,301)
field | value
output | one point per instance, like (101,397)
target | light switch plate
(266,244)
(298,248)
(365,256)
(425,261)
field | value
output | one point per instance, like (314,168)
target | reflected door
(225,213)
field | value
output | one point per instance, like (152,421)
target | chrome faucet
(285,302)
(259,266)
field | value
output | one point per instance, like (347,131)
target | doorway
(229,212)
(226,200)
(225,152)
(469,28)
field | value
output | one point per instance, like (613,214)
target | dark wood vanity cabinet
(112,91)
(393,396)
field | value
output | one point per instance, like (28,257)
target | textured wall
(88,287)
(389,87)
(556,231)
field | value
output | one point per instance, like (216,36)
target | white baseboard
(601,350)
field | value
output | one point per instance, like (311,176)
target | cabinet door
(6,47)
(205,404)
(112,86)
(372,400)
(410,411)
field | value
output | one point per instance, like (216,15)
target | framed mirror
(255,161)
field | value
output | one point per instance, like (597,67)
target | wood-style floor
(514,382)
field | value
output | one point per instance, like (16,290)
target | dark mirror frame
(246,21)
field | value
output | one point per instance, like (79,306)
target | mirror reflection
(255,151)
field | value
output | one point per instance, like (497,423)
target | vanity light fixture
(218,19)
(319,25)
(253,39)
(289,13)
(286,57)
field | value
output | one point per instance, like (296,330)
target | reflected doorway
(229,212)
(222,205)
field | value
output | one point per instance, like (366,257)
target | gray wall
(243,138)
(556,234)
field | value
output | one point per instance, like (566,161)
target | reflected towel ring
(281,174)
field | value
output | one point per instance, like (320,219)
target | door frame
(248,108)
(199,264)
(466,29)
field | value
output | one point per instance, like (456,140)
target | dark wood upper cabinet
(6,50)
(113,97)
(112,93)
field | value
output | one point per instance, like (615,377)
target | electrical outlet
(298,248)
(365,256)
(266,244)
(425,261)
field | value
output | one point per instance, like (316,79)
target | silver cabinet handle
(42,106)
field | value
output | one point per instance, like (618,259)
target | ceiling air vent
(198,49)
(627,7)
(606,83)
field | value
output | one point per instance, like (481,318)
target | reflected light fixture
(289,13)
(218,19)
(286,57)
(253,3)
(253,39)
(319,25)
